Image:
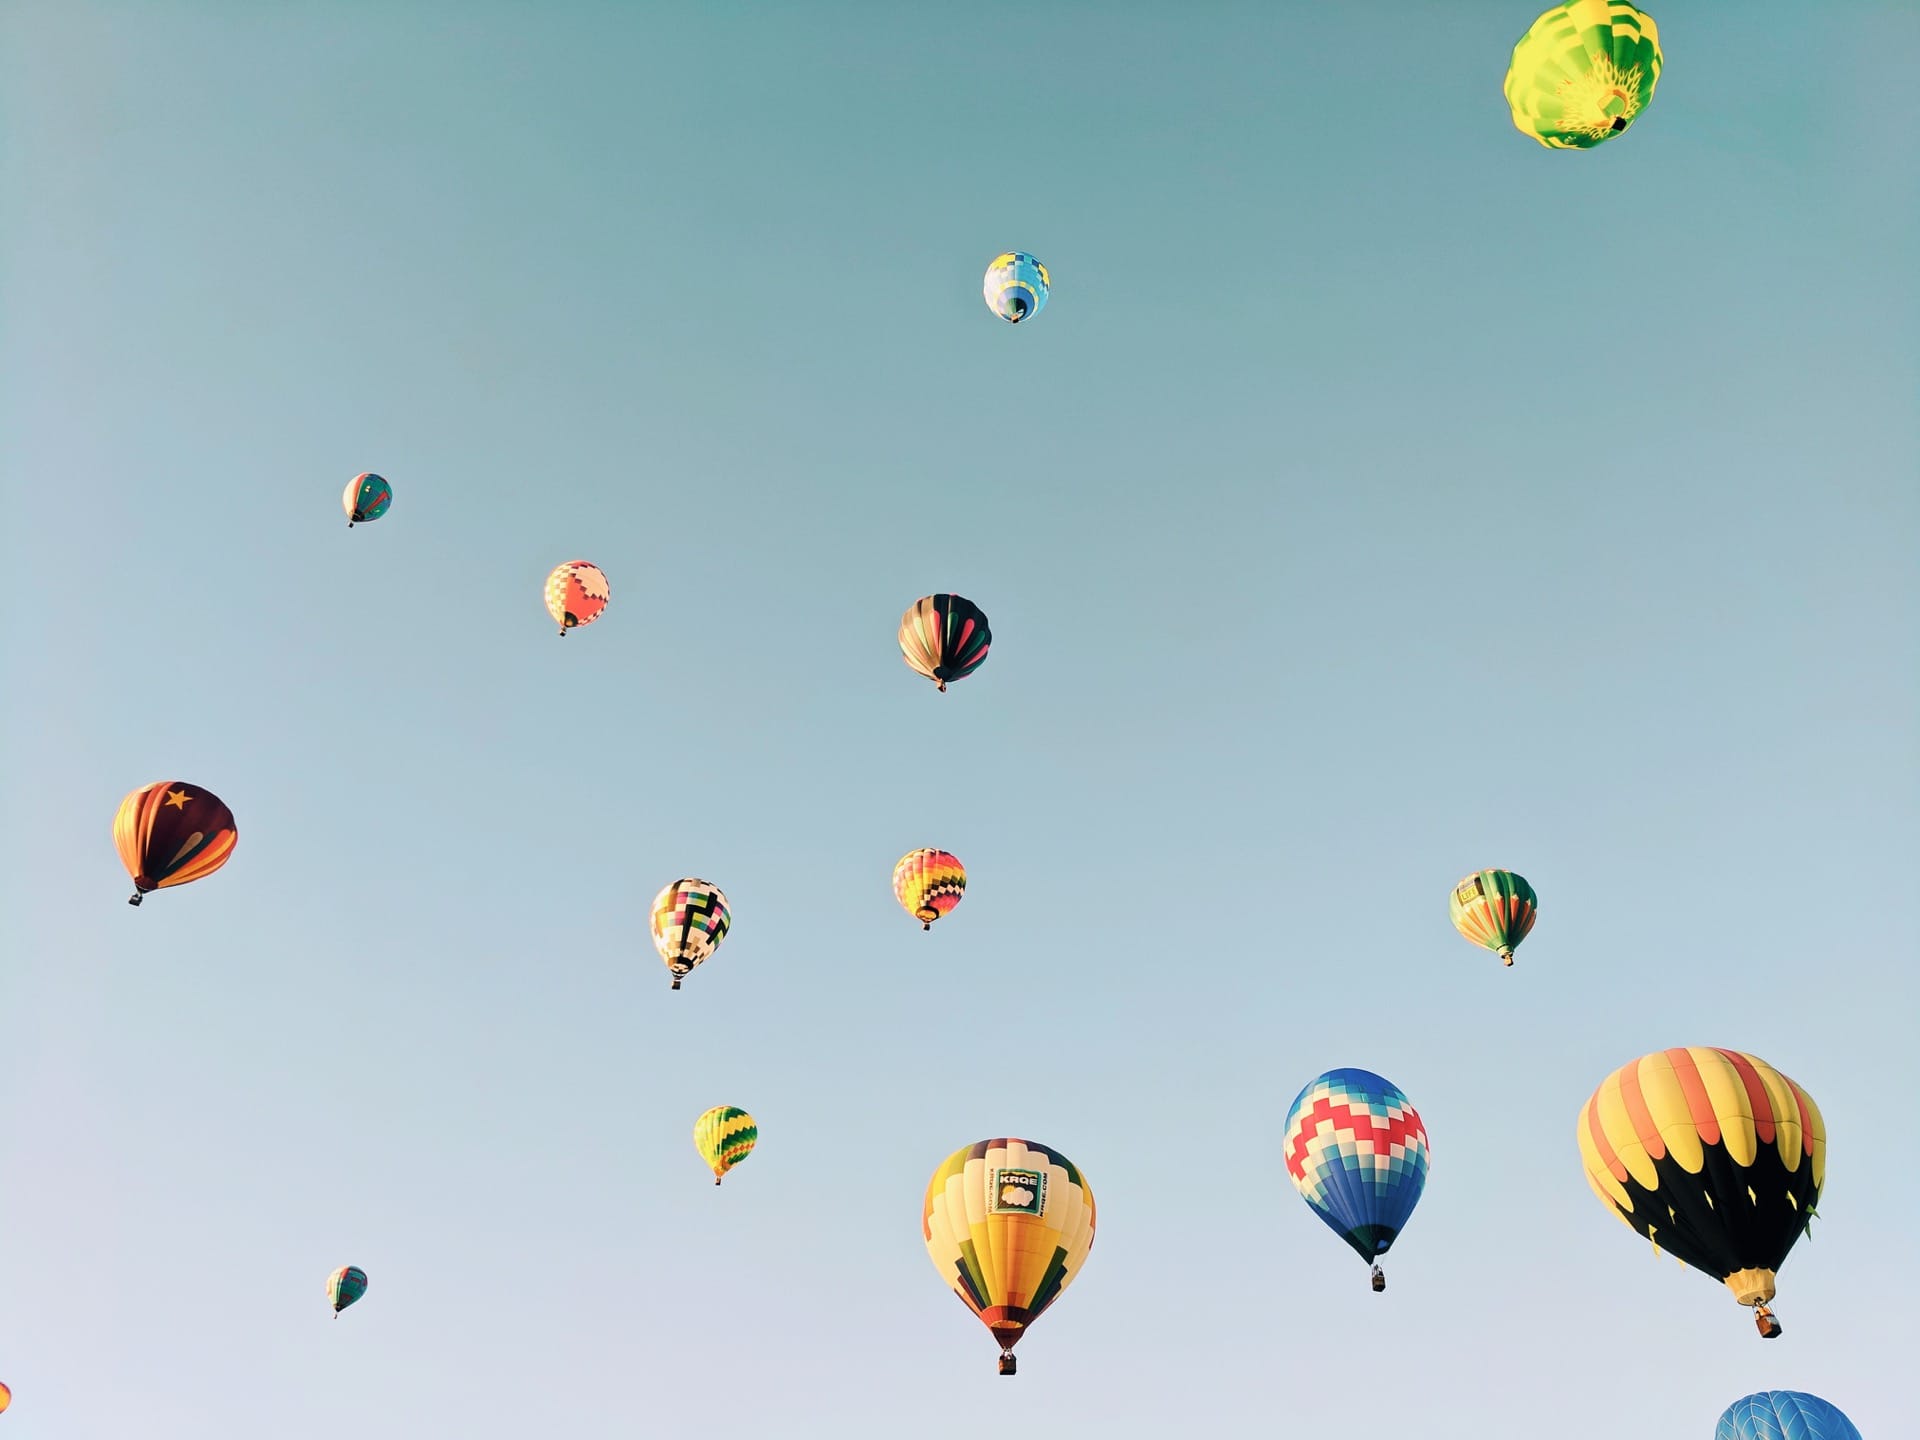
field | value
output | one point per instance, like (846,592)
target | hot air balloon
(929,883)
(724,1136)
(1714,1156)
(944,637)
(1784,1415)
(1357,1152)
(576,594)
(344,1286)
(6,1397)
(1016,286)
(367,498)
(1583,73)
(1008,1224)
(171,832)
(690,919)
(1494,908)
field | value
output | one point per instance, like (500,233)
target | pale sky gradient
(1380,496)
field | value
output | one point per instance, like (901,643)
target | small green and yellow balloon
(1495,909)
(1583,73)
(344,1286)
(724,1137)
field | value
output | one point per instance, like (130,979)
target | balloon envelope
(576,594)
(1008,1224)
(928,884)
(690,919)
(724,1136)
(367,498)
(1016,286)
(1713,1155)
(1357,1153)
(1582,73)
(1494,908)
(171,832)
(944,637)
(1784,1415)
(345,1285)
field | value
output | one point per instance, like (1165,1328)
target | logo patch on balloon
(1017,1192)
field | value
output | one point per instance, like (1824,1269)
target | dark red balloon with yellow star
(171,832)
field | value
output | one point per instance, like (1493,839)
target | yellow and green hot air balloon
(1494,908)
(724,1136)
(928,884)
(1008,1224)
(1714,1156)
(1583,73)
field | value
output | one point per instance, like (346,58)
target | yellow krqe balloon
(1008,1224)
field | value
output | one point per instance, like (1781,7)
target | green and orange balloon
(1495,909)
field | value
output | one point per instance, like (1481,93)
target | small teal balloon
(367,498)
(344,1286)
(1016,286)
(1784,1415)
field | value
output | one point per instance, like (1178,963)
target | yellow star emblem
(177,798)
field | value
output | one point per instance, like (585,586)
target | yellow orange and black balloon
(171,832)
(1714,1156)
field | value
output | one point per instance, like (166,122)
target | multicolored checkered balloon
(928,884)
(1357,1152)
(576,594)
(690,919)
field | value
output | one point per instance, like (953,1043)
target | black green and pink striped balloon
(944,637)
(1583,73)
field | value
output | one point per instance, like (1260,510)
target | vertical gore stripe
(1638,1113)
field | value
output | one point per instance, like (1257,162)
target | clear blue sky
(1380,496)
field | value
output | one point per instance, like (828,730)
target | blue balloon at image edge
(1784,1415)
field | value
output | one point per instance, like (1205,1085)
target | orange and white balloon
(576,594)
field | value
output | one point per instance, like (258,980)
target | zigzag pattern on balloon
(1357,1152)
